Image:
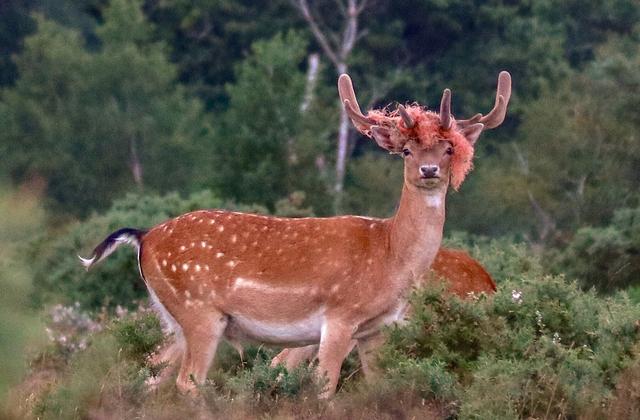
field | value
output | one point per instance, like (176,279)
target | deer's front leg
(335,344)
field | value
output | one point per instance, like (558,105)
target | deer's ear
(472,132)
(382,136)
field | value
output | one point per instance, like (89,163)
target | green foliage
(544,347)
(82,120)
(607,258)
(573,160)
(266,384)
(266,144)
(98,375)
(59,277)
(374,184)
(138,336)
(21,215)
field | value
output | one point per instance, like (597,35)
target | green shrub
(540,347)
(264,383)
(607,258)
(138,336)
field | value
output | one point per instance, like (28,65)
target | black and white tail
(128,236)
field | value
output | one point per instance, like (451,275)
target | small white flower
(516,296)
(556,338)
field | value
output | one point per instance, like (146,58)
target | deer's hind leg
(168,358)
(201,341)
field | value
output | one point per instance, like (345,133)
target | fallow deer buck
(464,277)
(216,274)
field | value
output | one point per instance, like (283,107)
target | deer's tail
(128,236)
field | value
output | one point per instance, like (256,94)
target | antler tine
(445,110)
(503,94)
(408,121)
(496,116)
(348,98)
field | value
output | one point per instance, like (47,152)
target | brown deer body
(218,274)
(464,276)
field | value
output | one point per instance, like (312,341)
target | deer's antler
(348,98)
(496,116)
(445,110)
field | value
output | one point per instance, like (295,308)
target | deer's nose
(429,171)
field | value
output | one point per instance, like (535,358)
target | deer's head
(437,148)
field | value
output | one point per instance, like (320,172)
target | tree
(266,143)
(94,124)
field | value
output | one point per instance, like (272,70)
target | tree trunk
(136,165)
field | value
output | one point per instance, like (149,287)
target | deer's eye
(449,150)
(406,152)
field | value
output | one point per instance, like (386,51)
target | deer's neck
(416,229)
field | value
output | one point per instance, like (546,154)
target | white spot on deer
(206,267)
(369,261)
(164,263)
(203,244)
(335,288)
(231,263)
(182,247)
(234,238)
(212,221)
(212,295)
(197,268)
(169,254)
(185,267)
(219,254)
(193,244)
(187,294)
(245,234)
(243,248)
(188,303)
(220,228)
(254,243)
(200,289)
(200,221)
(265,228)
(173,268)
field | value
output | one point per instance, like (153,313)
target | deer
(216,274)
(464,277)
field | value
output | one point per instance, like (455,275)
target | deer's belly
(299,332)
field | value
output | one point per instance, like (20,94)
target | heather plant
(542,345)
(69,328)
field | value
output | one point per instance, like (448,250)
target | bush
(607,258)
(139,335)
(541,345)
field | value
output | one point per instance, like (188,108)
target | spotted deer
(215,274)
(464,277)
